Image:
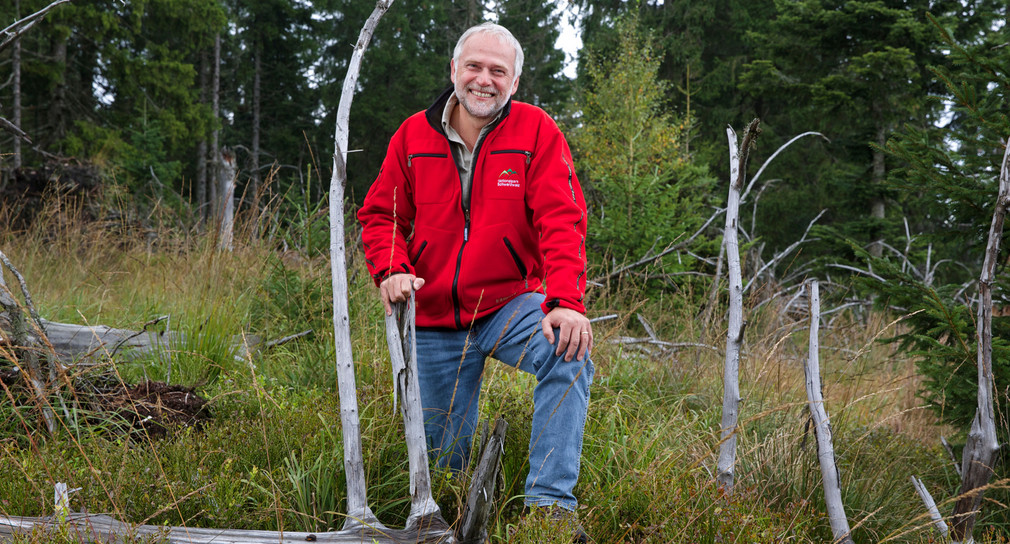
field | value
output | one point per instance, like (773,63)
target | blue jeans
(450,369)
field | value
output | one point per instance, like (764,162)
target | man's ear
(452,71)
(515,86)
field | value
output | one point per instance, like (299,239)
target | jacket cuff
(552,303)
(380,275)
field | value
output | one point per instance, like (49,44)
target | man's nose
(484,78)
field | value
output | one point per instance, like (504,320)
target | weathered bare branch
(16,29)
(782,254)
(934,513)
(743,198)
(660,255)
(858,270)
(401,338)
(15,130)
(950,452)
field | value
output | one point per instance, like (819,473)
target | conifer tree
(644,191)
(949,178)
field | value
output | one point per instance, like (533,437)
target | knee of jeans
(574,371)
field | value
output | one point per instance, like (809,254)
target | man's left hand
(575,334)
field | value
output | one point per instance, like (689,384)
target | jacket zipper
(436,155)
(417,256)
(518,261)
(529,154)
(456,299)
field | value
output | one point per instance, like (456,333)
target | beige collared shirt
(462,155)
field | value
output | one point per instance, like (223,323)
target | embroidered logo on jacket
(506,179)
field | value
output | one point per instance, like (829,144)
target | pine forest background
(134,107)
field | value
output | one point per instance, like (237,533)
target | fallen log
(87,528)
(73,343)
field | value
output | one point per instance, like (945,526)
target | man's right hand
(396,288)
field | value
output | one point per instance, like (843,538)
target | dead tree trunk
(24,355)
(16,68)
(822,425)
(254,165)
(358,512)
(215,150)
(227,182)
(201,148)
(981,446)
(401,338)
(734,334)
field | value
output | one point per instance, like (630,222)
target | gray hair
(502,34)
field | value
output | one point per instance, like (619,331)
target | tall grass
(270,457)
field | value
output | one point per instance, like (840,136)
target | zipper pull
(466,233)
(529,155)
(409,157)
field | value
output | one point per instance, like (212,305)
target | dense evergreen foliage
(952,174)
(646,193)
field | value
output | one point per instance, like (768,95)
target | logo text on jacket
(505,179)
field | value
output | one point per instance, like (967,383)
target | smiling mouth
(481,94)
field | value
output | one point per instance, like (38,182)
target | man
(477,208)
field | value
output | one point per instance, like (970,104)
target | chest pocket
(435,177)
(506,173)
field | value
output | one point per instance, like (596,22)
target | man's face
(484,75)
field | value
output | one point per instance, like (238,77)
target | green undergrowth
(271,455)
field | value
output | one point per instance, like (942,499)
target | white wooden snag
(401,336)
(822,425)
(734,334)
(358,512)
(981,447)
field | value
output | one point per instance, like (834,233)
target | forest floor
(253,442)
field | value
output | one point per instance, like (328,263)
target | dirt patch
(153,408)
(157,406)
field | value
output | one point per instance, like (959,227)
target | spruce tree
(949,177)
(645,193)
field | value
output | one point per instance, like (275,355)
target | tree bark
(981,446)
(16,67)
(201,147)
(84,527)
(473,526)
(227,182)
(58,95)
(358,512)
(401,338)
(23,353)
(822,425)
(877,208)
(734,334)
(254,179)
(215,150)
(934,513)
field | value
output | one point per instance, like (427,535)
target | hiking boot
(547,520)
(569,519)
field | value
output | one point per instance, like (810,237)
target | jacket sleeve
(387,214)
(559,216)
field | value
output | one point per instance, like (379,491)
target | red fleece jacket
(525,230)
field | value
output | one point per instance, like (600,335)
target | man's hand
(576,334)
(396,288)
